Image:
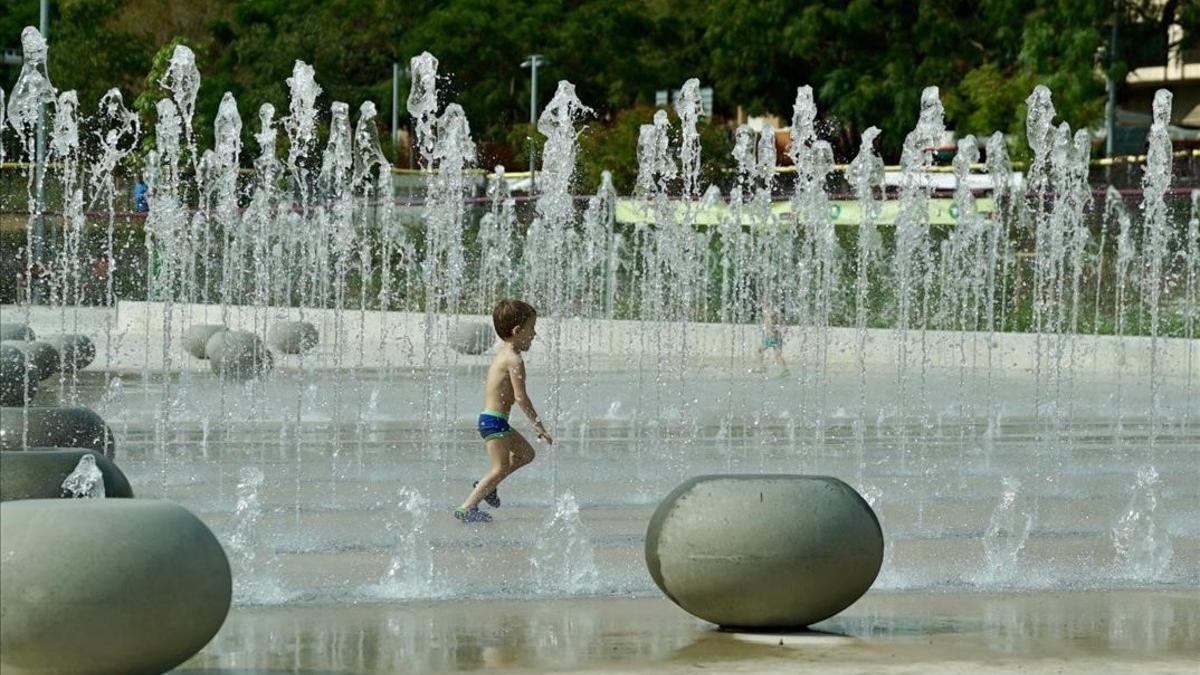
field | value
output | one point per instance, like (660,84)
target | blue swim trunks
(493,424)
(772,342)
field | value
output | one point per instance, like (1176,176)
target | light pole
(1110,80)
(532,63)
(395,109)
(39,229)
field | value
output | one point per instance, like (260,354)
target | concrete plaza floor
(1111,631)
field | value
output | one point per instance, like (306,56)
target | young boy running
(506,447)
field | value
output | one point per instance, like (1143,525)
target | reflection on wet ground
(1094,631)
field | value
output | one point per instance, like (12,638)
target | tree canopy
(867,60)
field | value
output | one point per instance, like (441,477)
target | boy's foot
(492,499)
(785,373)
(472,515)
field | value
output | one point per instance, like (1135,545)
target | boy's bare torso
(498,389)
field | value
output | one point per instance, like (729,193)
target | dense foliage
(867,59)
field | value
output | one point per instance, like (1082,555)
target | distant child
(514,322)
(772,338)
(140,203)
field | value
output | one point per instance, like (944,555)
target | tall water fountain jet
(960,274)
(27,104)
(375,210)
(911,263)
(597,263)
(64,150)
(657,171)
(223,174)
(816,278)
(1062,238)
(1155,181)
(195,248)
(1126,254)
(548,242)
(1040,134)
(263,215)
(445,151)
(182,79)
(118,131)
(551,237)
(688,246)
(866,177)
(1000,172)
(301,126)
(497,241)
(1143,546)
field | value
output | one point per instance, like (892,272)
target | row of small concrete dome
(25,360)
(239,354)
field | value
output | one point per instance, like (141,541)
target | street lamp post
(401,76)
(37,246)
(532,63)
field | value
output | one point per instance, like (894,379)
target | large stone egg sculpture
(764,550)
(121,586)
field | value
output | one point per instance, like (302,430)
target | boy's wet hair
(508,314)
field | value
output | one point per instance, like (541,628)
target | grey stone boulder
(196,337)
(42,358)
(18,383)
(75,352)
(95,586)
(238,355)
(764,551)
(54,427)
(39,473)
(292,337)
(472,337)
(16,331)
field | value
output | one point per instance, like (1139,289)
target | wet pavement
(1130,631)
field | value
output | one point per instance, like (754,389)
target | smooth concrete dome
(764,550)
(54,427)
(121,586)
(43,359)
(16,331)
(17,383)
(75,351)
(39,473)
(472,337)
(238,355)
(196,337)
(292,337)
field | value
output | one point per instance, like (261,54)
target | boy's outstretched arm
(516,373)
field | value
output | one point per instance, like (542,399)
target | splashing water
(563,559)
(1143,547)
(410,573)
(86,481)
(255,578)
(1008,530)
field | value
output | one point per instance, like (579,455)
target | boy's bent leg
(498,451)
